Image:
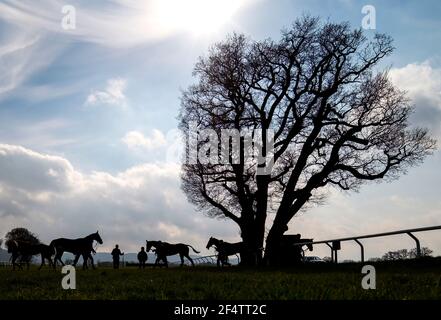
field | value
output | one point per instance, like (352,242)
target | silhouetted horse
(25,250)
(225,249)
(78,247)
(290,250)
(164,249)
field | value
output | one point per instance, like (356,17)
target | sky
(88,118)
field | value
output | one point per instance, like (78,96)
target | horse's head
(97,238)
(12,245)
(156,244)
(148,245)
(210,242)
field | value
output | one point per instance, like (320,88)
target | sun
(195,16)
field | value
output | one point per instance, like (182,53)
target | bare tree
(336,123)
(425,252)
(21,235)
(403,254)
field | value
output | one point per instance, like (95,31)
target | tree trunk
(248,239)
(273,254)
(251,254)
(261,214)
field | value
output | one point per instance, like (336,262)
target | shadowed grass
(403,280)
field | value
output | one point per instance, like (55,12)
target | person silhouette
(142,258)
(115,256)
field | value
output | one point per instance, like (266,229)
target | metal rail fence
(334,244)
(205,260)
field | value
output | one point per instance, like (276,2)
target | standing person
(115,256)
(142,258)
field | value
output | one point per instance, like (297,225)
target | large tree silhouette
(21,235)
(337,122)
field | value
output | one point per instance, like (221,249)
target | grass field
(404,280)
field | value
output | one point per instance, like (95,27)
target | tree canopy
(336,122)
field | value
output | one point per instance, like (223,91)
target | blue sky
(98,105)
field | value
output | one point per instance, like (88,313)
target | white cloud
(136,139)
(167,147)
(113,94)
(30,171)
(49,196)
(419,79)
(423,85)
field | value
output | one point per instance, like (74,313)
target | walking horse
(225,249)
(78,247)
(25,250)
(164,249)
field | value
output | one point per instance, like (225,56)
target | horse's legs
(165,261)
(77,257)
(51,263)
(14,258)
(42,262)
(86,258)
(58,257)
(14,262)
(91,261)
(191,260)
(221,259)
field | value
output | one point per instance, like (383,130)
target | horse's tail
(193,249)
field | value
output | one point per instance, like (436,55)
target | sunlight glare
(195,16)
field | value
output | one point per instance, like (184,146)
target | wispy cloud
(21,56)
(119,23)
(44,135)
(113,94)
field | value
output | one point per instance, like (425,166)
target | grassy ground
(406,280)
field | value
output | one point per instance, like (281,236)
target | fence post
(332,251)
(362,249)
(418,247)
